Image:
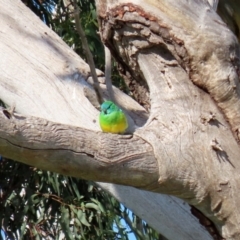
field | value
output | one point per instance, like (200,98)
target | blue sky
(2,235)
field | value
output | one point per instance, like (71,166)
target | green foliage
(36,204)
(63,24)
(39,204)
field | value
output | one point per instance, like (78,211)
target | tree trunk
(181,60)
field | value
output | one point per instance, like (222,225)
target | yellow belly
(115,128)
(113,123)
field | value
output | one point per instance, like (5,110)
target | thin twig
(108,68)
(87,52)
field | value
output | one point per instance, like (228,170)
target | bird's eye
(108,108)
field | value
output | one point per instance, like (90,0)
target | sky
(2,235)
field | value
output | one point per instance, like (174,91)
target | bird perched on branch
(112,119)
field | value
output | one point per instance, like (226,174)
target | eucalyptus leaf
(84,221)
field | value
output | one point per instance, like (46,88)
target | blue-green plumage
(112,119)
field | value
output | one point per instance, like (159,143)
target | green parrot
(112,119)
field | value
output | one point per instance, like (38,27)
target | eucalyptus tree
(181,65)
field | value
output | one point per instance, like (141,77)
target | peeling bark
(188,58)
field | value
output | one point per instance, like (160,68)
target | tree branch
(77,152)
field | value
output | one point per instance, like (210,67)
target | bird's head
(108,107)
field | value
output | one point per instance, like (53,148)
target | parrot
(112,119)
